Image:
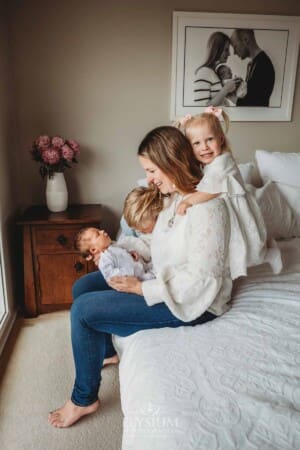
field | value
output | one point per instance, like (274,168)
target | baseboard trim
(6,329)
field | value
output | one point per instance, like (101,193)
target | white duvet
(233,383)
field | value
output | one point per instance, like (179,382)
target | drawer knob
(78,266)
(61,239)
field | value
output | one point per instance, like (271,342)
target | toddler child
(247,245)
(225,74)
(129,256)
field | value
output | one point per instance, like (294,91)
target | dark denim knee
(78,287)
(92,281)
(78,309)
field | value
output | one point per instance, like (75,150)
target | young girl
(247,246)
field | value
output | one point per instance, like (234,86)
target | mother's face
(156,176)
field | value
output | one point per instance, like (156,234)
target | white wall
(99,72)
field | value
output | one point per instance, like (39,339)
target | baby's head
(141,208)
(205,133)
(90,241)
(223,71)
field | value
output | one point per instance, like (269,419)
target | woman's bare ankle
(70,413)
(112,360)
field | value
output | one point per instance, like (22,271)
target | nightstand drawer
(55,239)
(57,273)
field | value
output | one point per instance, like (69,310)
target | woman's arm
(228,88)
(189,289)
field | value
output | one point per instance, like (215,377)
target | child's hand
(182,207)
(95,258)
(135,255)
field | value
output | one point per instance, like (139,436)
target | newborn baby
(113,259)
(225,74)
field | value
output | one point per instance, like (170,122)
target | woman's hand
(232,85)
(126,284)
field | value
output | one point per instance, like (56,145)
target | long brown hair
(170,150)
(215,47)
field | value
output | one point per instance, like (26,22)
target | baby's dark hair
(78,243)
(142,204)
(220,70)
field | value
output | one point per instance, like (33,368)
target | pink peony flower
(57,141)
(54,154)
(74,145)
(43,141)
(67,152)
(51,155)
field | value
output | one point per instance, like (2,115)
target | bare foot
(112,360)
(69,413)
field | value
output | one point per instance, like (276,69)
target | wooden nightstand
(51,263)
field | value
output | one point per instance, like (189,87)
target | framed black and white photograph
(246,63)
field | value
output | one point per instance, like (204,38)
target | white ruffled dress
(248,236)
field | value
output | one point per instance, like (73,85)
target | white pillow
(279,167)
(278,215)
(292,196)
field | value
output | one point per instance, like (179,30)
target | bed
(233,383)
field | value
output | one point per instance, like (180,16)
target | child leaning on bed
(129,255)
(221,177)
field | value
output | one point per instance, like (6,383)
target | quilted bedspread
(233,383)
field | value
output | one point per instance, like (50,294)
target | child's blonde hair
(142,204)
(212,120)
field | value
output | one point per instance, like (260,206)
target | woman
(208,88)
(189,256)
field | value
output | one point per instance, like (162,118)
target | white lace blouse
(190,260)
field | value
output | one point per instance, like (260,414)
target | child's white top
(247,245)
(116,261)
(140,244)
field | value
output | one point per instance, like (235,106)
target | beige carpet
(37,376)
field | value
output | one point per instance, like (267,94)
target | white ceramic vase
(56,193)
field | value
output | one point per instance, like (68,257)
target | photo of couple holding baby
(215,84)
(195,229)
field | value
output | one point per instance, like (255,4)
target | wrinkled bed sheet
(233,383)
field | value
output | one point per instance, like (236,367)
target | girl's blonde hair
(213,122)
(142,204)
(171,151)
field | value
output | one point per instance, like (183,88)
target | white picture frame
(278,36)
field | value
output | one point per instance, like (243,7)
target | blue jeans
(98,312)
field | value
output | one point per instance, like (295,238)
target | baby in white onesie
(114,259)
(225,74)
